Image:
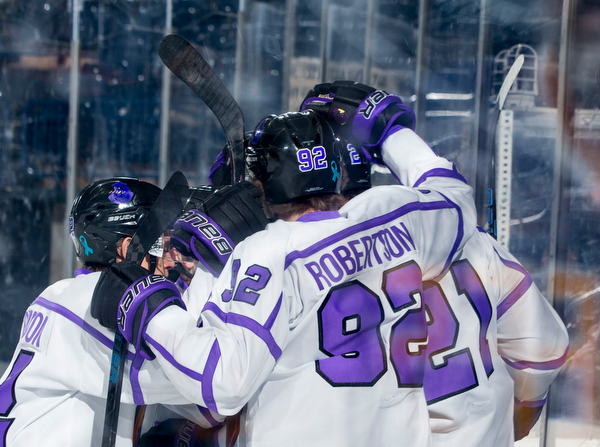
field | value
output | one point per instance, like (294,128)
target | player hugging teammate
(309,362)
(364,316)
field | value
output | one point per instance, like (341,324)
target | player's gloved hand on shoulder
(360,113)
(210,233)
(127,297)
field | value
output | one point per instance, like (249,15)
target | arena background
(84,95)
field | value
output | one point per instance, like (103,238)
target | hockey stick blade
(161,216)
(509,80)
(187,64)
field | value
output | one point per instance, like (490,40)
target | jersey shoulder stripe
(75,319)
(364,226)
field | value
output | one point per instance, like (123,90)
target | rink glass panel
(134,120)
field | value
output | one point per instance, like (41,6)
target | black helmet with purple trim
(295,155)
(106,211)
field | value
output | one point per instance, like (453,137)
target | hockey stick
(161,216)
(187,64)
(491,143)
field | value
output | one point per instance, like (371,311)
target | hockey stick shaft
(187,64)
(495,115)
(161,216)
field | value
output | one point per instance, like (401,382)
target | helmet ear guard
(295,155)
(357,169)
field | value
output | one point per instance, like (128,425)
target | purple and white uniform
(54,390)
(491,331)
(316,327)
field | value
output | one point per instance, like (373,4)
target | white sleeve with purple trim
(56,384)
(488,323)
(413,163)
(532,339)
(317,327)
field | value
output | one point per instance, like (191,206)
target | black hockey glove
(210,233)
(178,432)
(127,297)
(360,113)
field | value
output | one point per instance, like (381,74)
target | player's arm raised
(380,124)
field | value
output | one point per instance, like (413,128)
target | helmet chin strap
(152,262)
(183,271)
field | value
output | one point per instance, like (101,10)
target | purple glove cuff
(184,244)
(375,149)
(207,231)
(136,295)
(368,156)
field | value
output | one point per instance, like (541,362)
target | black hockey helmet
(357,169)
(104,212)
(295,155)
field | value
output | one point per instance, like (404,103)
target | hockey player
(54,390)
(493,337)
(316,324)
(235,211)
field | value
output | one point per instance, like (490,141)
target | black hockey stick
(187,64)
(491,143)
(162,215)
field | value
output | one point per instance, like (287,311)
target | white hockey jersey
(490,331)
(316,327)
(54,390)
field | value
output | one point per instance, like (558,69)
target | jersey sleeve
(532,339)
(416,165)
(221,364)
(196,295)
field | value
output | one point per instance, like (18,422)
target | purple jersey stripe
(319,215)
(209,371)
(440,172)
(518,291)
(169,358)
(271,320)
(248,323)
(61,310)
(136,389)
(459,234)
(208,416)
(541,366)
(371,223)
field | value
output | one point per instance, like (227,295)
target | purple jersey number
(456,372)
(350,331)
(256,279)
(7,391)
